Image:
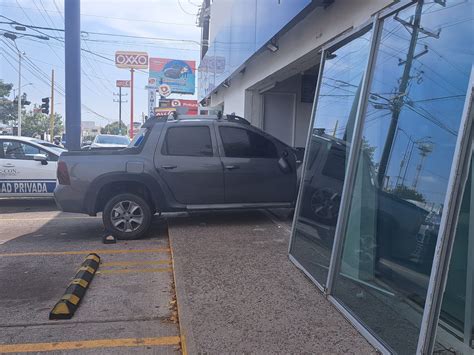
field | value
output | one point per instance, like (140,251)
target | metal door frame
(456,185)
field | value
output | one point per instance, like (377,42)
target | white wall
(319,27)
(302,109)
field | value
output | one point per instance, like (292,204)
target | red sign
(184,103)
(123,83)
(164,111)
(135,60)
(190,105)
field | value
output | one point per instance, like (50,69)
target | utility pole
(19,92)
(398,101)
(13,37)
(51,115)
(120,101)
(131,102)
(424,149)
(72,43)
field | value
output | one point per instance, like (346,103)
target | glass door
(409,137)
(455,333)
(327,152)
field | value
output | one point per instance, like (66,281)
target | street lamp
(14,37)
(19,91)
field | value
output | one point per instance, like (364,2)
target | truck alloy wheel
(127,216)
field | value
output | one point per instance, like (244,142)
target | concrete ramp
(238,292)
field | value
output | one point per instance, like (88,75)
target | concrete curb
(68,304)
(184,340)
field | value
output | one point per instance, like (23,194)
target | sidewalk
(238,292)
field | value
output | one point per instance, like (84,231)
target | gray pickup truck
(185,163)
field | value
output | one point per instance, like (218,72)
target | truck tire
(127,216)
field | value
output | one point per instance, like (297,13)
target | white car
(27,167)
(110,141)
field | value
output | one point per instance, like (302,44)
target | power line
(44,78)
(33,27)
(111,17)
(183,10)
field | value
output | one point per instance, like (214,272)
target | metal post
(120,110)
(19,93)
(51,109)
(72,34)
(131,102)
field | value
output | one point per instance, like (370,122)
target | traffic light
(45,105)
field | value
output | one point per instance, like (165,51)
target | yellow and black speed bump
(68,304)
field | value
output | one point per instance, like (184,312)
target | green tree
(37,123)
(5,89)
(8,111)
(113,128)
(407,193)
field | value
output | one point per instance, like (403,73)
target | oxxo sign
(132,60)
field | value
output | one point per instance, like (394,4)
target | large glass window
(326,155)
(415,105)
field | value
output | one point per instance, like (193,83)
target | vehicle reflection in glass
(401,218)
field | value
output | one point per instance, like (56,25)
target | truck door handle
(231,167)
(169,167)
(8,165)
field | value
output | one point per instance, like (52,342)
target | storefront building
(383,224)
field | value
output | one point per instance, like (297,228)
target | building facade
(379,94)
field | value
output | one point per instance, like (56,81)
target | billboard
(132,60)
(180,75)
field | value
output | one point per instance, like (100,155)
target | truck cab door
(188,161)
(257,168)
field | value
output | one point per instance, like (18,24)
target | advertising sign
(189,107)
(122,83)
(132,60)
(152,82)
(151,101)
(180,75)
(164,90)
(159,111)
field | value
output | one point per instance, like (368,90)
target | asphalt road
(128,307)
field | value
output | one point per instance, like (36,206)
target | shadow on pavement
(19,205)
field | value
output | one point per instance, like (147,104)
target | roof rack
(234,118)
(175,116)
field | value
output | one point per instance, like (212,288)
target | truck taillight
(63,175)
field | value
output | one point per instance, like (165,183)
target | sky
(170,23)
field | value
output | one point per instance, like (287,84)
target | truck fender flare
(98,183)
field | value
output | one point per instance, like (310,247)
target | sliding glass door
(343,68)
(409,137)
(456,321)
(373,252)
